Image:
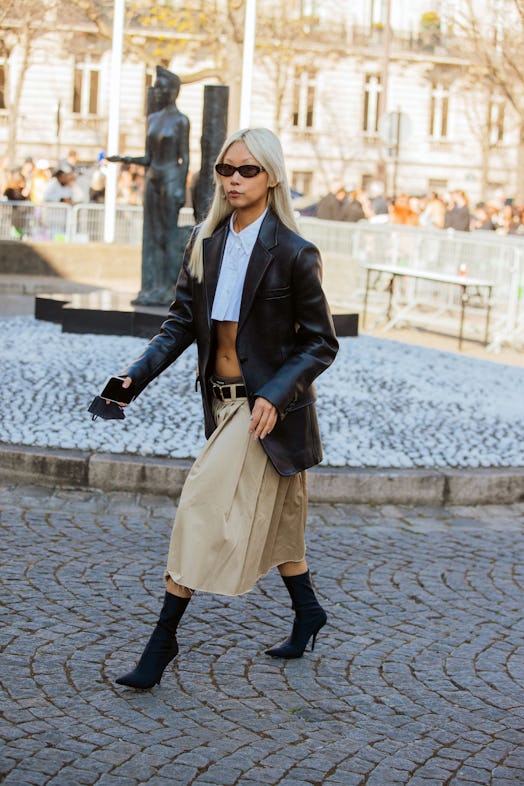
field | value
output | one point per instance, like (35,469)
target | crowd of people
(67,181)
(433,210)
(38,182)
(72,182)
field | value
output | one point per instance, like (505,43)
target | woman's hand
(263,418)
(125,384)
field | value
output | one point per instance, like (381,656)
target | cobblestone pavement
(418,679)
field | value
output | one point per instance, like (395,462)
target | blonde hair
(265,147)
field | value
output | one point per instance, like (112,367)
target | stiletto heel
(161,648)
(310,617)
(315,634)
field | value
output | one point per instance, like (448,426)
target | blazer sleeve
(176,334)
(315,344)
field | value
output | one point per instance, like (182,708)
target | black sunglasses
(246,170)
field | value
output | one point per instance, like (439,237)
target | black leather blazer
(285,336)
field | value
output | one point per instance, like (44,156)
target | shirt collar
(249,234)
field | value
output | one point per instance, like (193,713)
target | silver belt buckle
(217,390)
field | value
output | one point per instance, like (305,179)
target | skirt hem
(169,575)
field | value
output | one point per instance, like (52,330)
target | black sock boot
(309,617)
(161,648)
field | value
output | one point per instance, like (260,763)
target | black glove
(99,409)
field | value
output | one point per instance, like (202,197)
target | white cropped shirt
(238,250)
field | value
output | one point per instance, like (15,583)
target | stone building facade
(347,93)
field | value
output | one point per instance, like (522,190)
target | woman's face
(244,193)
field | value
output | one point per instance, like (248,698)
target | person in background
(433,212)
(40,181)
(27,169)
(378,203)
(130,183)
(61,188)
(482,217)
(16,191)
(401,211)
(509,220)
(331,206)
(5,173)
(69,163)
(457,215)
(352,209)
(97,186)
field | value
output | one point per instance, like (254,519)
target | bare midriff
(226,362)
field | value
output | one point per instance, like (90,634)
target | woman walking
(250,294)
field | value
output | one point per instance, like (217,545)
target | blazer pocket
(307,402)
(273,294)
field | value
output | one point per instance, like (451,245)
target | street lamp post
(113,127)
(247,63)
(383,95)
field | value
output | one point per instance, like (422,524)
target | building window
(302,182)
(2,87)
(496,120)
(86,86)
(437,184)
(377,12)
(306,8)
(372,89)
(303,99)
(439,109)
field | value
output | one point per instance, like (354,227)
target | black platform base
(346,324)
(106,312)
(101,312)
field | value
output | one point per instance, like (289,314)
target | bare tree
(493,39)
(204,31)
(209,33)
(213,31)
(22,22)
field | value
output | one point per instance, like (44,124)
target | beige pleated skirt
(237,517)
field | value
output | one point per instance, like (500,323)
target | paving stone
(412,682)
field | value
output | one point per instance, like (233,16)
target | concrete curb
(117,472)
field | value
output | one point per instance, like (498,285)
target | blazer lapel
(259,261)
(213,252)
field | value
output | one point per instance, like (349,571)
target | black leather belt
(226,392)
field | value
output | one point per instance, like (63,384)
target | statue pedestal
(112,313)
(101,312)
(345,324)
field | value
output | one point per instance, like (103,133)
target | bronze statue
(167,159)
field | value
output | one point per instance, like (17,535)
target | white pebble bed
(381,404)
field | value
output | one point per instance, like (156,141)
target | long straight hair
(265,147)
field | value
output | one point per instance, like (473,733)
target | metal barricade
(26,220)
(81,223)
(345,247)
(186,217)
(88,223)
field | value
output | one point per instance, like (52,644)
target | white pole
(247,63)
(113,126)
